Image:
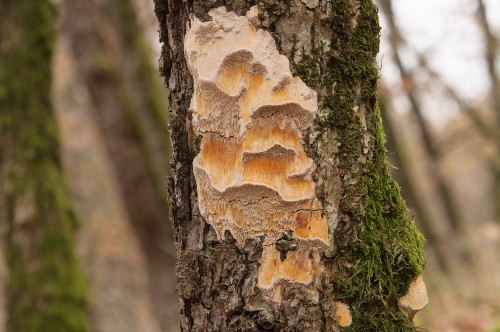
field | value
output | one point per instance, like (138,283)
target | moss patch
(386,254)
(379,250)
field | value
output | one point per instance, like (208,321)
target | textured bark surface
(375,250)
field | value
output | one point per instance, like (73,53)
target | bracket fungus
(343,313)
(416,298)
(252,173)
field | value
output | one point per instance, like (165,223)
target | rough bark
(375,250)
(46,290)
(128,110)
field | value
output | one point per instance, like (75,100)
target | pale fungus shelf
(253,175)
(415,299)
(343,313)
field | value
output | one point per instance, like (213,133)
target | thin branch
(488,130)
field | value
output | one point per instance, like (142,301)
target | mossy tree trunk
(375,249)
(128,106)
(46,290)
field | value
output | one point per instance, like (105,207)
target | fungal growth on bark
(253,175)
(416,298)
(343,313)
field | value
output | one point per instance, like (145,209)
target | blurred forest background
(440,98)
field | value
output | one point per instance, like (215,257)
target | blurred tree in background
(129,107)
(102,56)
(448,171)
(46,289)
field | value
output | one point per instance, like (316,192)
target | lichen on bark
(46,289)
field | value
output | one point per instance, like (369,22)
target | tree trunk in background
(425,221)
(374,250)
(46,290)
(492,63)
(451,208)
(130,112)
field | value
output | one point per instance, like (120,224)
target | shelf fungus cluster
(252,173)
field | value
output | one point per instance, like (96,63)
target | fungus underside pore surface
(379,251)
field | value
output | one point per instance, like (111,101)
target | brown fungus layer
(252,173)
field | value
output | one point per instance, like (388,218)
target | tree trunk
(46,290)
(490,53)
(284,213)
(443,188)
(127,106)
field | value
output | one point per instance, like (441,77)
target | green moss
(387,253)
(46,289)
(379,251)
